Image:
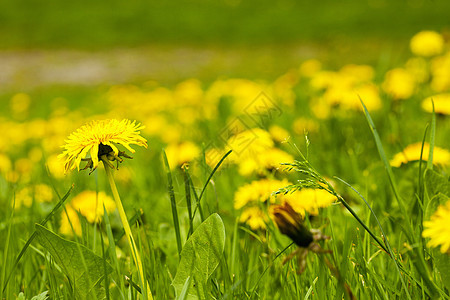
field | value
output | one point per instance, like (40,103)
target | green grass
(251,265)
(88,24)
(375,231)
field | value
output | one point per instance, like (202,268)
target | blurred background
(90,43)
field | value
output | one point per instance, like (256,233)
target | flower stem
(126,227)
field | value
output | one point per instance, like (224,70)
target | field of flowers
(321,184)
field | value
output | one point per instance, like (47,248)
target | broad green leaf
(200,257)
(436,183)
(442,263)
(86,278)
(41,296)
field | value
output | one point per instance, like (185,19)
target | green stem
(126,227)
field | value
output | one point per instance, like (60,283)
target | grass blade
(176,222)
(384,159)
(33,236)
(390,174)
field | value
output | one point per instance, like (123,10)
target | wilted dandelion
(98,138)
(290,223)
(437,228)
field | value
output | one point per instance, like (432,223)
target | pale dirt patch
(23,70)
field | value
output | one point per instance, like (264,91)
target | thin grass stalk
(176,222)
(187,188)
(384,159)
(126,227)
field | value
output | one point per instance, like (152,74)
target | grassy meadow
(328,179)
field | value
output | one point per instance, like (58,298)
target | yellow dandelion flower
(437,228)
(441,104)
(264,161)
(412,153)
(399,84)
(254,217)
(5,164)
(308,200)
(302,125)
(98,138)
(71,218)
(278,133)
(39,192)
(90,205)
(310,67)
(258,191)
(427,43)
(180,153)
(249,143)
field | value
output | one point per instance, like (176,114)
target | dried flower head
(98,138)
(290,223)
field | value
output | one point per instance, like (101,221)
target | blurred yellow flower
(278,133)
(5,164)
(412,153)
(418,67)
(248,143)
(441,104)
(180,153)
(69,221)
(258,191)
(88,204)
(438,229)
(98,138)
(440,70)
(55,166)
(264,161)
(308,200)
(399,84)
(20,104)
(320,108)
(302,125)
(427,43)
(359,73)
(39,192)
(309,67)
(368,93)
(254,217)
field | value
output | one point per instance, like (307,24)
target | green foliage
(201,255)
(84,269)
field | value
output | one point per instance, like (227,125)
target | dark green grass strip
(187,188)
(43,222)
(173,203)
